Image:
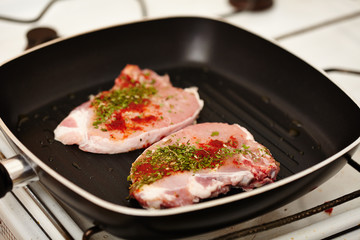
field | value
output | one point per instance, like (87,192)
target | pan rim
(198,16)
(173,211)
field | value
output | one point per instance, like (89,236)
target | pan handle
(15,169)
(15,172)
(5,181)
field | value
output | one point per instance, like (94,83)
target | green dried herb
(106,103)
(178,157)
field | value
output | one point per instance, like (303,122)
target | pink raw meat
(139,110)
(198,162)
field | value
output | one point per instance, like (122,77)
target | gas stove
(324,33)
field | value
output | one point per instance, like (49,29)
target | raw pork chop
(140,109)
(200,161)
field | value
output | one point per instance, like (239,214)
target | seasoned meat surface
(140,109)
(198,162)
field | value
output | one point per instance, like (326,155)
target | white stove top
(325,33)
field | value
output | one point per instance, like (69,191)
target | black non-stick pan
(306,121)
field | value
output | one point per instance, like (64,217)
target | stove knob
(251,5)
(40,35)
